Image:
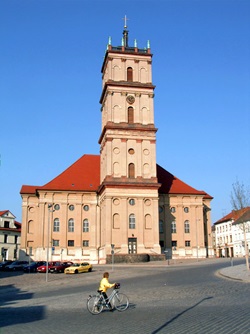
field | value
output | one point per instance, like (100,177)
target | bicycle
(96,303)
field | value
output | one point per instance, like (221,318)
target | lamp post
(197,243)
(50,210)
(112,252)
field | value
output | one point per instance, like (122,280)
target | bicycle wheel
(94,305)
(120,302)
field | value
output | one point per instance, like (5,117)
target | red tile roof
(170,184)
(84,175)
(3,212)
(245,217)
(233,215)
(28,189)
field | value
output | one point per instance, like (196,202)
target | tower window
(130,115)
(129,74)
(131,170)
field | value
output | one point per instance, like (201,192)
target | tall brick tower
(128,194)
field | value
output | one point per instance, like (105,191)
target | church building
(119,203)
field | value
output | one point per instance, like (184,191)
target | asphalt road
(179,299)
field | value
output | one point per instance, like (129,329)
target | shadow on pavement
(18,315)
(178,315)
(11,315)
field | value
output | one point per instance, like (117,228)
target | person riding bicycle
(104,286)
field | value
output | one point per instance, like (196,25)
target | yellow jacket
(105,285)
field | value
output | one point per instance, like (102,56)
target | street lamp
(50,210)
(112,252)
(197,247)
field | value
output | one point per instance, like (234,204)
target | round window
(86,208)
(131,151)
(71,207)
(132,201)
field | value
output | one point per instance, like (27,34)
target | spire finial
(125,21)
(125,32)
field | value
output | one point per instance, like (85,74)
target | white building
(10,232)
(229,234)
(241,236)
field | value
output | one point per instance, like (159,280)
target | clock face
(130,99)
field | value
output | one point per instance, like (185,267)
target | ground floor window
(174,243)
(85,243)
(71,243)
(55,243)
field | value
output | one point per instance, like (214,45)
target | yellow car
(78,268)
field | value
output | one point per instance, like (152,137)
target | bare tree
(240,199)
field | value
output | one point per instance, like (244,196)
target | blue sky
(50,85)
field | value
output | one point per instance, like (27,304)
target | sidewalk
(237,272)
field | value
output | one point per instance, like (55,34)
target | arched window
(187,226)
(31,226)
(71,225)
(131,170)
(85,225)
(173,227)
(130,115)
(129,74)
(132,221)
(56,226)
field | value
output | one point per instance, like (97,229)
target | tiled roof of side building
(233,215)
(170,184)
(3,212)
(244,218)
(84,175)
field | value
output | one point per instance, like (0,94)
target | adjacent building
(10,232)
(119,202)
(232,231)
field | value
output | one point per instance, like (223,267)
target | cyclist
(104,286)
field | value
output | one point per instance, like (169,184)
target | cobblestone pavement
(184,297)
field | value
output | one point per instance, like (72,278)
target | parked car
(43,268)
(16,265)
(60,267)
(32,266)
(79,268)
(4,264)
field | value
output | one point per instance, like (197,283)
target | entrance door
(132,245)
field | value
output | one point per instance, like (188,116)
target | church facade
(121,201)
